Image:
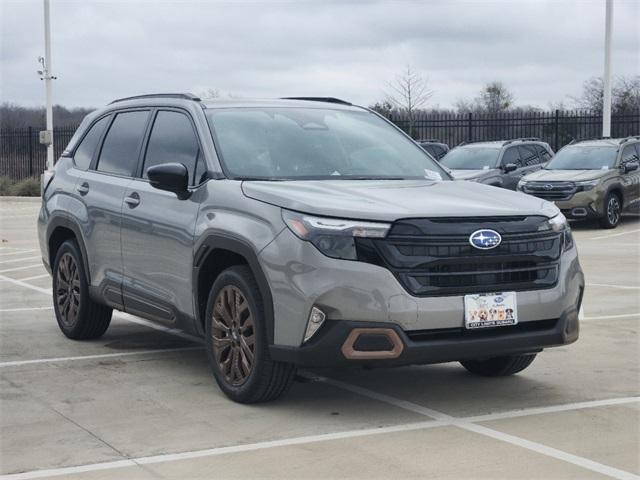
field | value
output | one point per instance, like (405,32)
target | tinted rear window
(120,149)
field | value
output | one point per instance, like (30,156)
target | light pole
(606,103)
(46,137)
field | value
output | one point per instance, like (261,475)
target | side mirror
(631,166)
(510,167)
(173,177)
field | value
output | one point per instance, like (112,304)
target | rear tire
(236,340)
(78,316)
(499,366)
(612,211)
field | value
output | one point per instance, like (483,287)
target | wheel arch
(59,229)
(215,253)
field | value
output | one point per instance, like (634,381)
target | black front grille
(551,190)
(435,257)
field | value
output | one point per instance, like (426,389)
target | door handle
(132,200)
(83,189)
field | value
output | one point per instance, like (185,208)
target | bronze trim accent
(351,354)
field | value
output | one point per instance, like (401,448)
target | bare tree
(408,93)
(625,95)
(495,98)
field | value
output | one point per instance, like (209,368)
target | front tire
(78,316)
(499,366)
(236,340)
(612,211)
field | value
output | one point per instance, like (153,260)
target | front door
(158,227)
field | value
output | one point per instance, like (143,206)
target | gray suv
(501,164)
(299,232)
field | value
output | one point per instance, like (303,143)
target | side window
(84,152)
(545,156)
(511,156)
(438,152)
(629,154)
(172,140)
(529,155)
(120,149)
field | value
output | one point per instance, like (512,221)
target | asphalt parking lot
(140,402)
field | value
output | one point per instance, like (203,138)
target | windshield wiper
(347,177)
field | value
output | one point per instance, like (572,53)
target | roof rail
(319,99)
(578,140)
(630,137)
(524,139)
(184,96)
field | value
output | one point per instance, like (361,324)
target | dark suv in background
(594,179)
(499,163)
(435,148)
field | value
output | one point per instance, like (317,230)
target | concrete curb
(20,199)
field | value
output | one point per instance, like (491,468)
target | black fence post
(30,131)
(556,130)
(469,131)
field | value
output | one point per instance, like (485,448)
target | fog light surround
(315,321)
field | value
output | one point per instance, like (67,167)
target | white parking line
(13,260)
(489,432)
(46,291)
(249,447)
(2,249)
(34,277)
(25,309)
(607,317)
(606,285)
(21,268)
(448,421)
(525,412)
(601,237)
(17,363)
(20,252)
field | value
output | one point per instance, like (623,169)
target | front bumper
(434,346)
(583,205)
(349,290)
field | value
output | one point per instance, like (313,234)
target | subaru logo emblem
(548,186)
(485,239)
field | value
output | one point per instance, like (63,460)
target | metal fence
(22,156)
(557,128)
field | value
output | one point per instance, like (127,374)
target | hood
(389,200)
(471,174)
(566,175)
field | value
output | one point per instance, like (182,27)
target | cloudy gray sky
(541,49)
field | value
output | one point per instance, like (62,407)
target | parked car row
(589,179)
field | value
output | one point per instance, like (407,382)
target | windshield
(475,158)
(315,143)
(583,158)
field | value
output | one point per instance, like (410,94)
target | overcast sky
(541,49)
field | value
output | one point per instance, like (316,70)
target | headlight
(587,185)
(334,237)
(521,184)
(558,223)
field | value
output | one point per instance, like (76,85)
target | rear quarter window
(84,153)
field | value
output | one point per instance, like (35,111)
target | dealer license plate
(490,310)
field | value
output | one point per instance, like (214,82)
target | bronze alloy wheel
(613,210)
(233,335)
(68,290)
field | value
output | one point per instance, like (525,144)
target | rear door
(102,188)
(158,227)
